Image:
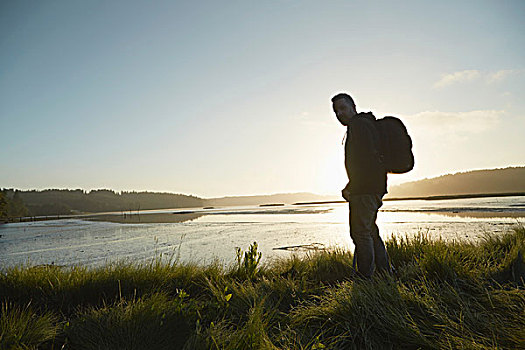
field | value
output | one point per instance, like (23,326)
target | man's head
(344,108)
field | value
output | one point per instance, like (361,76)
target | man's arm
(346,192)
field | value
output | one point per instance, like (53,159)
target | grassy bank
(444,296)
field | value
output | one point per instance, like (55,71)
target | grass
(445,295)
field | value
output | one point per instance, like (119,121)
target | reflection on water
(177,216)
(147,218)
(202,235)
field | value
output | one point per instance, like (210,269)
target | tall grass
(21,327)
(445,295)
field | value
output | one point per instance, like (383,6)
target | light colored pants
(370,250)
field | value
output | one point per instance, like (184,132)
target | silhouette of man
(366,186)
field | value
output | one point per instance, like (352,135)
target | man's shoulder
(364,120)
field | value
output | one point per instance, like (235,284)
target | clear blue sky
(218,98)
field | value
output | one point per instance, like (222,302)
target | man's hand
(346,193)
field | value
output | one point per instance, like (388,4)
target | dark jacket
(363,164)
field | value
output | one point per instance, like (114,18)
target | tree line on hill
(15,203)
(12,206)
(489,181)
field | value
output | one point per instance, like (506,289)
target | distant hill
(64,201)
(60,201)
(507,180)
(285,198)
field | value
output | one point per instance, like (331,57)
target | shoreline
(430,198)
(457,196)
(165,218)
(168,217)
(481,214)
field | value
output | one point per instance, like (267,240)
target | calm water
(217,232)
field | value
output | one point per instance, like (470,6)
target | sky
(218,98)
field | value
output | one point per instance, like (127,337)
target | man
(366,186)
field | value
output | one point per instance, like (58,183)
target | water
(279,231)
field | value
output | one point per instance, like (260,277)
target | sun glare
(331,176)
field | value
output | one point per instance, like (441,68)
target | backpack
(396,145)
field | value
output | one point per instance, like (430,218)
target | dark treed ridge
(60,201)
(508,180)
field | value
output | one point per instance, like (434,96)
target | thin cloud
(474,75)
(471,122)
(457,77)
(502,75)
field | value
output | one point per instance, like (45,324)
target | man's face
(344,111)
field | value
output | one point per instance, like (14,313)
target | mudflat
(154,218)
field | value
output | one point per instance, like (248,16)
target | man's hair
(344,96)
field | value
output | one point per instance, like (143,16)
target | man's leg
(380,254)
(363,212)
